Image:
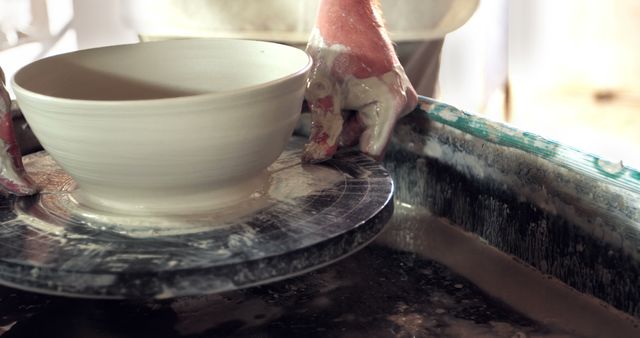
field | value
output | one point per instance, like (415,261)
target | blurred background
(567,70)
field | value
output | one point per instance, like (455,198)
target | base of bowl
(167,203)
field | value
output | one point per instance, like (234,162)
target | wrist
(341,14)
(352,23)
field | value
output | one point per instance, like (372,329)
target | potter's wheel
(307,217)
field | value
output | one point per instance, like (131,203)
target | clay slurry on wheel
(307,217)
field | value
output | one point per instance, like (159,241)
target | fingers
(351,130)
(411,100)
(12,174)
(323,96)
(326,127)
(379,102)
(13,181)
(378,120)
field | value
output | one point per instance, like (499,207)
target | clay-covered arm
(13,177)
(355,70)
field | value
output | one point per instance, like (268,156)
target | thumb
(378,119)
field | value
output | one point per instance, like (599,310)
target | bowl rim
(243,91)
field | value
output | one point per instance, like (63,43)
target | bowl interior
(165,69)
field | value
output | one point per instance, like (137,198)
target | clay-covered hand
(357,88)
(13,177)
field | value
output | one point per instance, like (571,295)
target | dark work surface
(377,292)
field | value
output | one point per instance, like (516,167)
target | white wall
(567,45)
(474,60)
(50,27)
(575,44)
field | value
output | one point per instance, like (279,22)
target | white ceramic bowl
(165,127)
